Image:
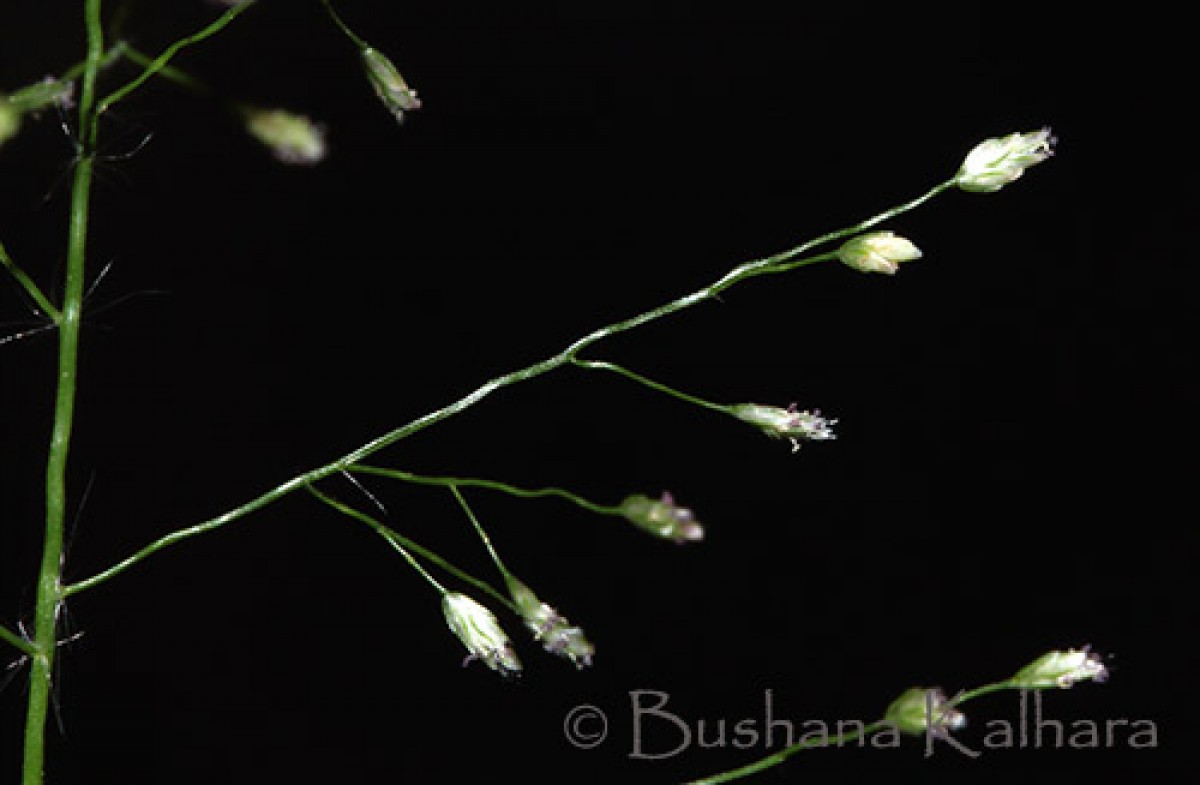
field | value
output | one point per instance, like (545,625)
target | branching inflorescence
(295,139)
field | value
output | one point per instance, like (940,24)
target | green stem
(416,565)
(787,267)
(596,365)
(165,71)
(160,62)
(403,544)
(857,228)
(763,266)
(50,592)
(31,288)
(106,60)
(11,638)
(212,524)
(473,482)
(487,541)
(776,758)
(361,44)
(986,689)
(396,541)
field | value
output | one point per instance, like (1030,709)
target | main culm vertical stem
(49,582)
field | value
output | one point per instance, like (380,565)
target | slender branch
(788,266)
(875,220)
(212,524)
(596,365)
(487,541)
(468,482)
(400,542)
(165,71)
(17,642)
(31,288)
(383,531)
(357,41)
(412,561)
(986,689)
(763,266)
(106,60)
(776,758)
(158,63)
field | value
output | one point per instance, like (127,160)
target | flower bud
(292,138)
(550,628)
(877,252)
(35,97)
(393,91)
(10,120)
(919,710)
(790,423)
(662,518)
(1061,669)
(43,95)
(994,163)
(480,632)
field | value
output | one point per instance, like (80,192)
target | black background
(1014,408)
